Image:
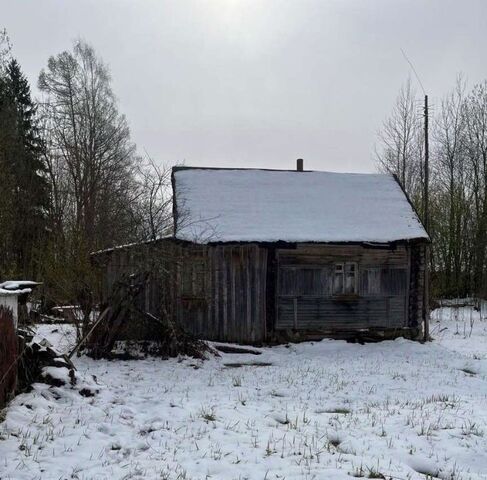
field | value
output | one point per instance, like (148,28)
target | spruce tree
(7,216)
(23,161)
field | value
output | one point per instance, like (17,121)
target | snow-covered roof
(18,284)
(131,245)
(17,287)
(246,205)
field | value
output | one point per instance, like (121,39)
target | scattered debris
(224,348)
(247,364)
(40,362)
(122,320)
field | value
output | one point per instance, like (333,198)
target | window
(345,278)
(287,281)
(338,279)
(302,281)
(393,281)
(310,281)
(372,281)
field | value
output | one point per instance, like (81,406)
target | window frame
(341,269)
(373,281)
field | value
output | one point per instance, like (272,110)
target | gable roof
(250,205)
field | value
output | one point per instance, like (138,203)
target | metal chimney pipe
(299,165)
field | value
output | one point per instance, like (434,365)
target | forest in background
(72,179)
(73,182)
(458,180)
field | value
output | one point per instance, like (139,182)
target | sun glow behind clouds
(232,10)
(247,23)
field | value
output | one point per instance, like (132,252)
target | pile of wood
(123,320)
(36,361)
(36,356)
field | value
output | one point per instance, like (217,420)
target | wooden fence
(479,304)
(8,355)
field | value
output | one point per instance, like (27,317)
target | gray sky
(259,83)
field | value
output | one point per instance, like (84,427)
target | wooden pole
(426,165)
(100,318)
(426,312)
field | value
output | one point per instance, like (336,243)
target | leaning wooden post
(100,318)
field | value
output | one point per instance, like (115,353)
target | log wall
(241,292)
(307,298)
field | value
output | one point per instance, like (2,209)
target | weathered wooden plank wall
(226,301)
(379,300)
(233,308)
(238,293)
(158,260)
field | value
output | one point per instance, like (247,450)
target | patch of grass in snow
(208,414)
(334,439)
(341,411)
(471,428)
(442,398)
(242,400)
(367,472)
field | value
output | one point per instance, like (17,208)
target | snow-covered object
(227,205)
(25,286)
(129,245)
(10,291)
(10,300)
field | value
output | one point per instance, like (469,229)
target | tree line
(73,181)
(458,180)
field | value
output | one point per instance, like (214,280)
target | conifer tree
(22,165)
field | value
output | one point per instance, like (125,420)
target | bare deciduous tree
(92,167)
(449,183)
(458,198)
(93,160)
(154,203)
(5,48)
(400,145)
(476,143)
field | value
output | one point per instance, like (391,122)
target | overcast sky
(259,83)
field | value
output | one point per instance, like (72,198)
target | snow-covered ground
(324,410)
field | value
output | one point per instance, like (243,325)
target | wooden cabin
(263,256)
